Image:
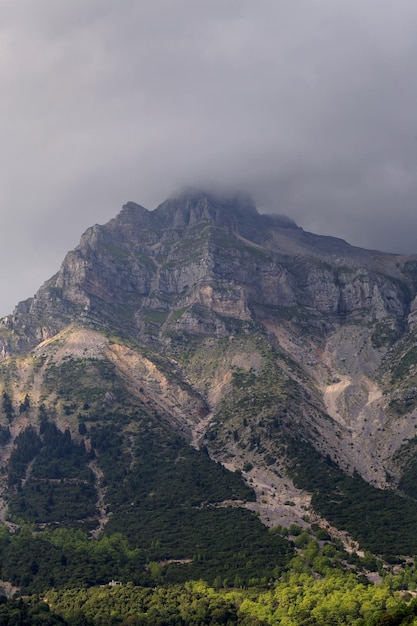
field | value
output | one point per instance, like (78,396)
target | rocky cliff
(240,331)
(223,255)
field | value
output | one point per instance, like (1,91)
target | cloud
(309,105)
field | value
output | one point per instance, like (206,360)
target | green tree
(8,406)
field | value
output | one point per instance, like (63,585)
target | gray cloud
(309,105)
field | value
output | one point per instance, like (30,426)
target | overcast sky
(310,105)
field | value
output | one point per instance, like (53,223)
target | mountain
(194,364)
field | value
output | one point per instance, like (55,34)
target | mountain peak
(207,204)
(287,356)
(234,211)
(232,200)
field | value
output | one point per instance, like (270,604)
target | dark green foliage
(408,481)
(170,500)
(60,457)
(28,444)
(64,559)
(28,612)
(57,503)
(382,521)
(8,406)
(165,471)
(4,435)
(60,487)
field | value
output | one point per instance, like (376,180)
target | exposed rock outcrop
(138,273)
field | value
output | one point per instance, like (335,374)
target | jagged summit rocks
(216,252)
(192,208)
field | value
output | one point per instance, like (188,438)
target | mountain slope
(204,328)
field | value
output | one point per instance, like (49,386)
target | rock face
(197,250)
(247,330)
